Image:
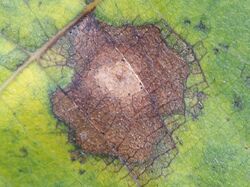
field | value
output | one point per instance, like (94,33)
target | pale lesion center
(118,79)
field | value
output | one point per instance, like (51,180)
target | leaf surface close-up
(124,93)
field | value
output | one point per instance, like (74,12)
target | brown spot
(126,79)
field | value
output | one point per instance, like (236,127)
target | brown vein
(38,53)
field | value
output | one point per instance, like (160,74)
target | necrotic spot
(122,88)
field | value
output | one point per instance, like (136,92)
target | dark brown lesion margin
(180,47)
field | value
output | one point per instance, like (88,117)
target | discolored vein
(131,68)
(39,52)
(126,79)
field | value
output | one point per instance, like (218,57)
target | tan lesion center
(118,79)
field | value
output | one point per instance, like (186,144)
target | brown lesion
(125,80)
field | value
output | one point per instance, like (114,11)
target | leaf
(28,124)
(213,142)
(218,138)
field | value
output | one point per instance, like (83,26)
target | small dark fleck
(216,50)
(201,95)
(187,22)
(24,152)
(82,160)
(82,171)
(225,46)
(247,81)
(201,26)
(74,156)
(237,102)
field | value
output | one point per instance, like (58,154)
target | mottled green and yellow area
(26,25)
(213,149)
(35,149)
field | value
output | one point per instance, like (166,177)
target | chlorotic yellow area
(30,23)
(34,149)
(6,46)
(4,74)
